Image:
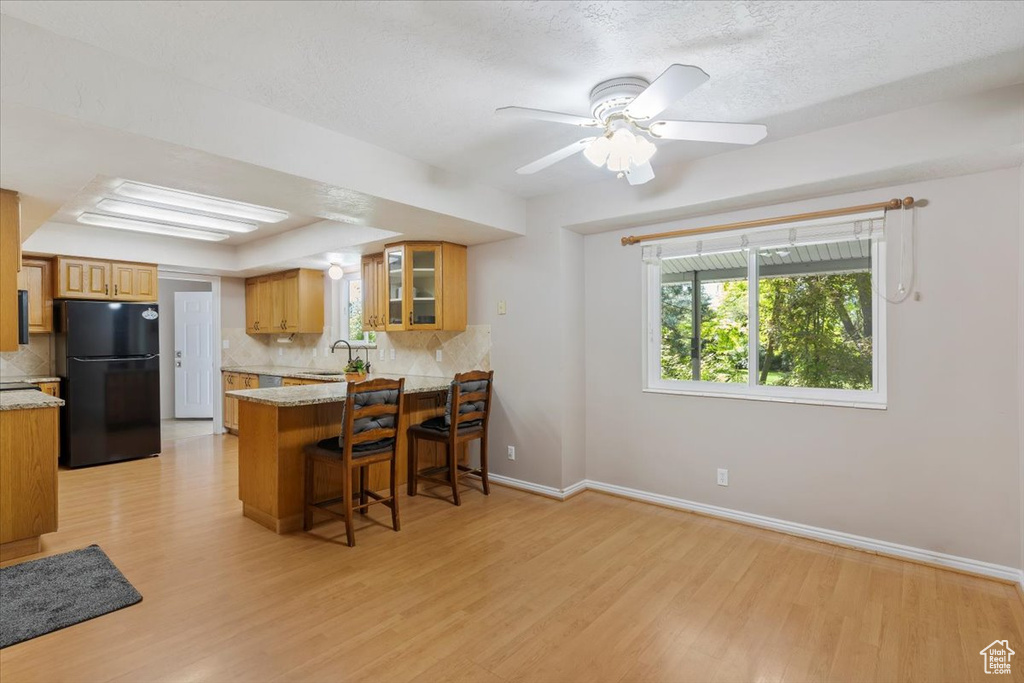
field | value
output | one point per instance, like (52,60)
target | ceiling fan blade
(542,115)
(555,157)
(668,88)
(638,175)
(705,131)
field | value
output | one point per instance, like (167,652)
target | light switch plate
(502,308)
(437,355)
(392,354)
(381,354)
(225,344)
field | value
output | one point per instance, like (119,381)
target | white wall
(933,471)
(166,303)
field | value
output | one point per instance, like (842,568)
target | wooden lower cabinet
(28,479)
(50,388)
(234,381)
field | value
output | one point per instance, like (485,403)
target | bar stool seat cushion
(333,447)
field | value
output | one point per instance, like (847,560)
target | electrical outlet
(437,355)
(723,477)
(502,309)
(381,354)
(225,344)
(280,352)
(314,352)
(511,452)
(392,354)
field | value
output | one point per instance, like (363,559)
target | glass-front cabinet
(394,263)
(423,280)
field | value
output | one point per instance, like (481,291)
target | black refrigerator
(109,363)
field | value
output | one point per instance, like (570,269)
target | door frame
(216,390)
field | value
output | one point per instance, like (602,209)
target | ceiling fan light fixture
(597,151)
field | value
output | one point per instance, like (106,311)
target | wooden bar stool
(466,418)
(369,427)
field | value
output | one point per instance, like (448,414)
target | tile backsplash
(34,359)
(415,352)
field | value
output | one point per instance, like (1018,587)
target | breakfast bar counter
(276,424)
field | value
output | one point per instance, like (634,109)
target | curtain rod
(892,204)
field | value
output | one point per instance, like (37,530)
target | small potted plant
(356,369)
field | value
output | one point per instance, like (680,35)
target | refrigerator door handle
(106,359)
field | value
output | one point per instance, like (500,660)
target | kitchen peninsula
(275,424)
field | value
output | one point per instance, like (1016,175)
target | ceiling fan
(623,112)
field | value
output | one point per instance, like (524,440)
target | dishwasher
(269,381)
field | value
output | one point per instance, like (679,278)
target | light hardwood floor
(509,587)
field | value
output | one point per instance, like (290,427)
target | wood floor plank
(508,587)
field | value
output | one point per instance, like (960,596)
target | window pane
(676,330)
(815,316)
(355,309)
(719,352)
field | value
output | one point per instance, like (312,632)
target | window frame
(876,398)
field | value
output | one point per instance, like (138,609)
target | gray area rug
(44,595)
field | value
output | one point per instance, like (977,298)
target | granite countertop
(30,379)
(281,371)
(312,394)
(27,399)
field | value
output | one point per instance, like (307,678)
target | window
(787,314)
(352,310)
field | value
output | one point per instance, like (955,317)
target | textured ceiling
(423,79)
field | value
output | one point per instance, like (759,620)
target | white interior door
(193,354)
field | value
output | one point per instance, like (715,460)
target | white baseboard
(872,545)
(539,489)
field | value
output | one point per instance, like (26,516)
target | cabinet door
(380,279)
(230,403)
(123,276)
(394,263)
(265,306)
(145,282)
(423,295)
(369,308)
(10,263)
(82,279)
(35,278)
(288,297)
(50,389)
(252,307)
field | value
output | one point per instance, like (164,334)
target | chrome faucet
(342,341)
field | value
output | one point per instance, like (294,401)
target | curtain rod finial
(628,240)
(908,202)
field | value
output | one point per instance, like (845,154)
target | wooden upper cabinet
(374,283)
(425,285)
(35,277)
(252,317)
(146,282)
(123,275)
(10,264)
(285,303)
(76,278)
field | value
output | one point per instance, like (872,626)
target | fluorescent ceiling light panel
(157,213)
(199,202)
(135,225)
